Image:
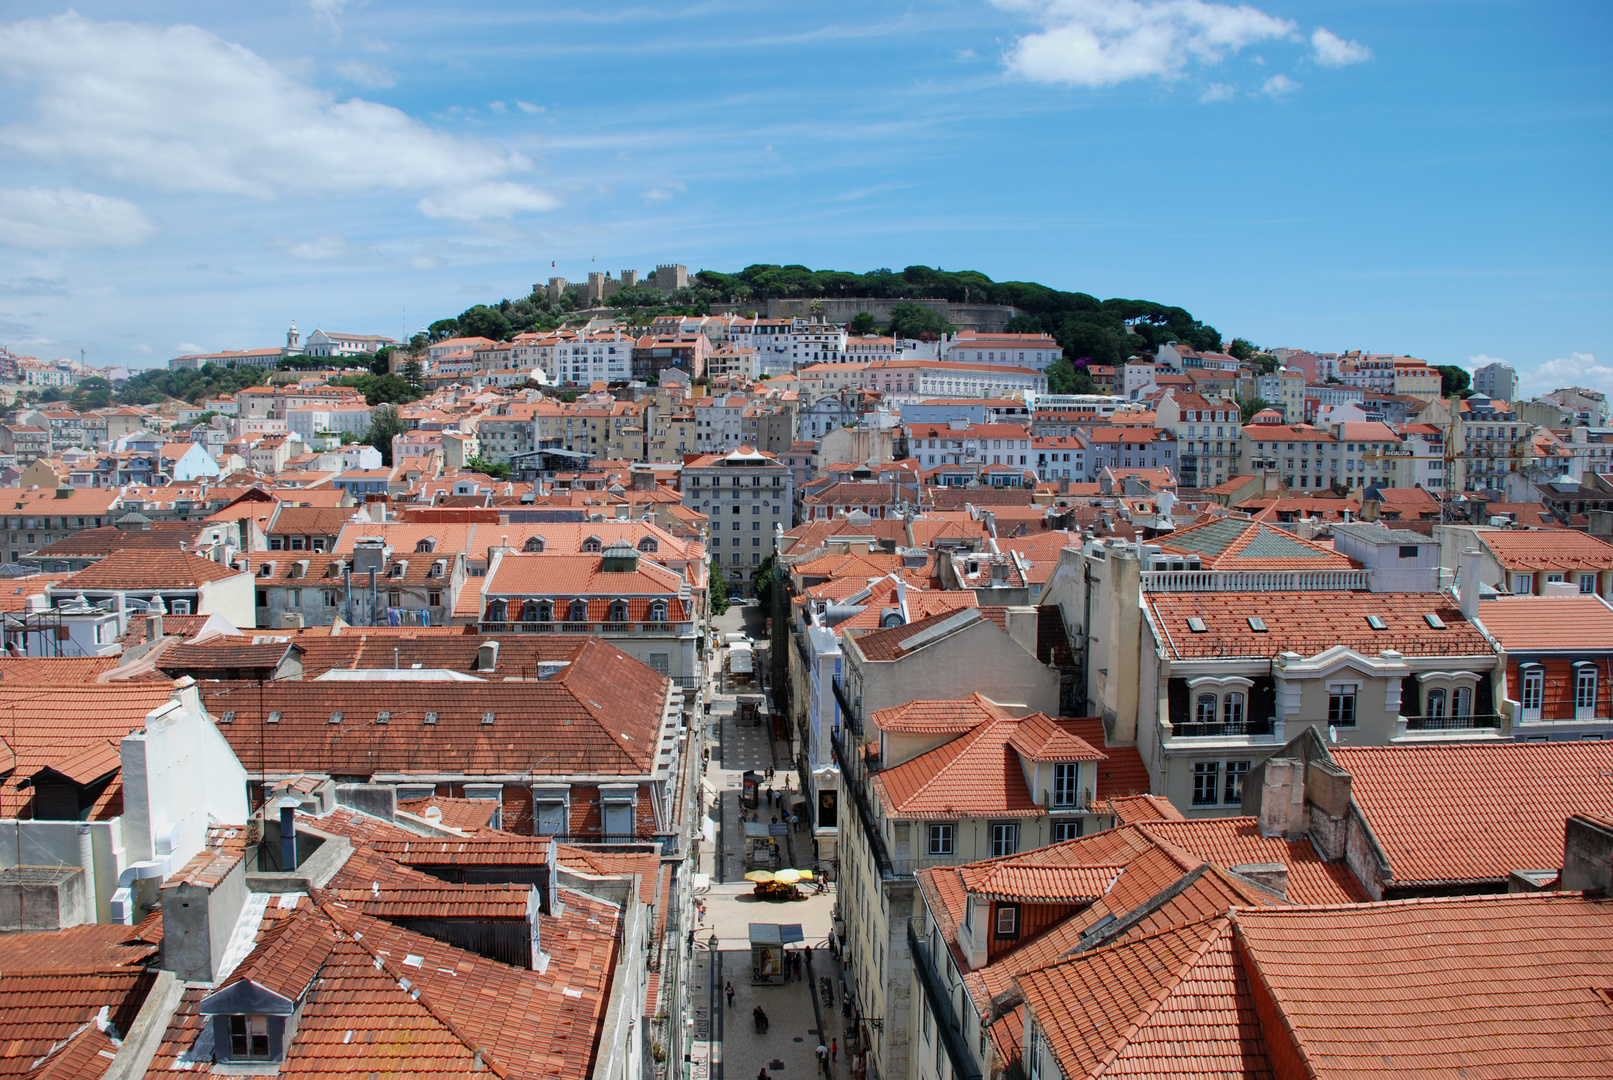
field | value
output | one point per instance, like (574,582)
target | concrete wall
(1587,855)
(178,771)
(232,597)
(34,898)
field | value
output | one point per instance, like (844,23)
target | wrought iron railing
(1463,722)
(947,1025)
(1188,730)
(849,714)
(852,780)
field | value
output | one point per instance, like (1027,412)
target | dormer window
(649,544)
(658,611)
(618,611)
(1007,921)
(249,1038)
(428,544)
(578,611)
(533,544)
(399,568)
(267,569)
(497,610)
(593,544)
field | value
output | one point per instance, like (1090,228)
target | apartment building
(1012,350)
(748,497)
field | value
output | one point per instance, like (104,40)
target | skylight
(1376,623)
(274,718)
(431,718)
(382,717)
(1257,624)
(1196,625)
(1435,621)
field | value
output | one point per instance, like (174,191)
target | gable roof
(130,569)
(1547,549)
(1473,813)
(1580,623)
(1311,622)
(1241,544)
(974,775)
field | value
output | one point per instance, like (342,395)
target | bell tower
(293,340)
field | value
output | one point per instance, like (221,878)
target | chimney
(1282,798)
(1468,586)
(487,656)
(153,627)
(1273,877)
(288,833)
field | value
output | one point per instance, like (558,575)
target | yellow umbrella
(787,877)
(760,876)
(806,875)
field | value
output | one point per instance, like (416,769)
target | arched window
(533,543)
(496,610)
(1436,703)
(658,611)
(618,611)
(649,544)
(1204,711)
(529,611)
(578,611)
(1232,710)
(592,544)
(1462,701)
(545,612)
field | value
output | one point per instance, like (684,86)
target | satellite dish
(1332,733)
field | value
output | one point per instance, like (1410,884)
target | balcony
(940,1002)
(851,782)
(1464,722)
(1188,730)
(849,714)
(1255,580)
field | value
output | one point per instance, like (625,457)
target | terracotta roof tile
(974,775)
(1311,622)
(1040,738)
(1578,623)
(1141,809)
(1236,841)
(939,717)
(129,569)
(1476,812)
(42,1014)
(1123,773)
(1021,880)
(1547,549)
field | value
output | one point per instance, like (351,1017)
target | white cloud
(1334,51)
(183,110)
(1575,369)
(319,248)
(368,76)
(143,350)
(492,200)
(50,219)
(427,262)
(1217,92)
(965,54)
(496,106)
(1278,85)
(1103,42)
(325,11)
(528,107)
(185,347)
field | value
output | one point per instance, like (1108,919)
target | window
(1205,775)
(1584,692)
(1204,709)
(533,543)
(1408,551)
(249,1038)
(1534,692)
(1008,920)
(1067,830)
(1004,840)
(1232,711)
(1587,583)
(1064,775)
(940,842)
(618,611)
(1236,771)
(1436,704)
(1341,705)
(578,611)
(1462,701)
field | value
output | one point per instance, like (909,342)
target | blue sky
(1412,177)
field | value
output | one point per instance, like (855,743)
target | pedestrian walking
(729,990)
(795,821)
(834,1049)
(823,1058)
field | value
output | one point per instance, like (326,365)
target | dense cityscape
(654,677)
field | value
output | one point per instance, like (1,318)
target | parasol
(787,877)
(760,876)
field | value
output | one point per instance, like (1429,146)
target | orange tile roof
(1236,841)
(1547,549)
(1123,773)
(454,813)
(1311,622)
(1027,881)
(1481,986)
(129,569)
(47,671)
(1040,738)
(1242,544)
(884,645)
(1579,623)
(1142,809)
(1475,812)
(48,1019)
(94,947)
(974,775)
(939,717)
(578,575)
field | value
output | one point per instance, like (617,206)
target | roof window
(1376,623)
(336,718)
(1196,625)
(431,718)
(487,718)
(1257,624)
(1435,621)
(383,717)
(274,718)
(227,718)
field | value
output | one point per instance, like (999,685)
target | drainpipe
(288,833)
(86,862)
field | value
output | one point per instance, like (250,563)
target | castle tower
(671,277)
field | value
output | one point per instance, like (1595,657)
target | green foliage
(1241,349)
(304,362)
(159,384)
(909,320)
(385,425)
(91,393)
(379,389)
(636,296)
(1265,363)
(482,465)
(1024,324)
(861,323)
(1250,406)
(483,321)
(568,396)
(763,579)
(1064,377)
(1453,380)
(204,419)
(717,587)
(413,373)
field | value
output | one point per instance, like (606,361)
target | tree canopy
(160,384)
(1453,379)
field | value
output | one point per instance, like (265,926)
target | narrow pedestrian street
(724,1042)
